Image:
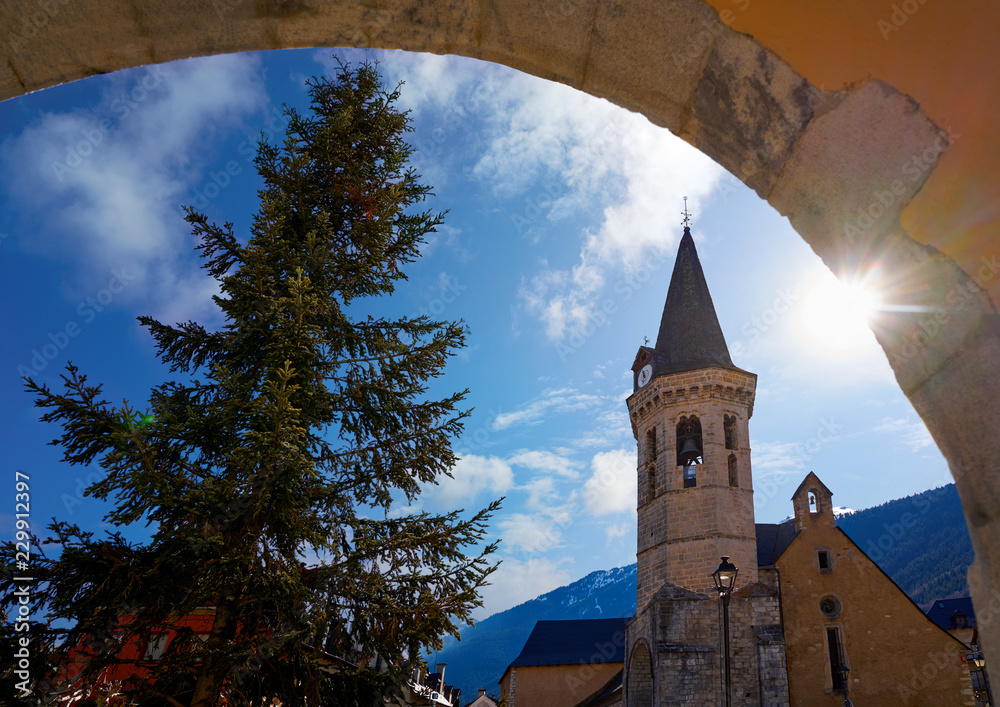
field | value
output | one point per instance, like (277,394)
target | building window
(729,426)
(734,479)
(838,667)
(830,606)
(959,620)
(824,560)
(157,644)
(651,444)
(690,476)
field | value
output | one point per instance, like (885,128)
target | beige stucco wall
(557,685)
(897,655)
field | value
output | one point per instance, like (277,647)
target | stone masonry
(682,532)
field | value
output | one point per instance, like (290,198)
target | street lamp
(977,659)
(725,580)
(845,673)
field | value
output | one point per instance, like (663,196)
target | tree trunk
(212,675)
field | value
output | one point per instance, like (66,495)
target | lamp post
(725,580)
(845,673)
(977,659)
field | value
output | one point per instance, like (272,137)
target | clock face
(645,373)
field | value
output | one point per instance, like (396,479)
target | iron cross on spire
(686,214)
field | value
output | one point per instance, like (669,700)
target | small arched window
(729,427)
(734,478)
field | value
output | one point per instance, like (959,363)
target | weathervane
(687,215)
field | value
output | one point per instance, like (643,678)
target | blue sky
(564,218)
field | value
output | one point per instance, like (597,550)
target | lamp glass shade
(725,575)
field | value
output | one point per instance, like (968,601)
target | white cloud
(558,151)
(913,434)
(612,486)
(107,183)
(531,532)
(471,476)
(541,492)
(551,400)
(775,460)
(518,581)
(546,461)
(617,530)
(588,151)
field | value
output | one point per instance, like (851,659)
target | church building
(810,619)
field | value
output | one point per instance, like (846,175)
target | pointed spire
(690,336)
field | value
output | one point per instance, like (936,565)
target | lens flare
(835,315)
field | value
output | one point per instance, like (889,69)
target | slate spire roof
(690,336)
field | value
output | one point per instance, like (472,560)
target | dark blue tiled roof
(942,611)
(573,642)
(772,540)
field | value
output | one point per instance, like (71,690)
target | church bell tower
(690,409)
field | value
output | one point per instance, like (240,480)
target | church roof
(813,480)
(690,336)
(773,539)
(573,642)
(942,611)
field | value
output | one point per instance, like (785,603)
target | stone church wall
(684,631)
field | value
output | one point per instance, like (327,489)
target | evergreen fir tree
(267,473)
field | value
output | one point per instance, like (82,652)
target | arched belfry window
(651,464)
(689,448)
(734,477)
(729,426)
(814,502)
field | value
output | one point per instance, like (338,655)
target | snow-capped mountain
(488,648)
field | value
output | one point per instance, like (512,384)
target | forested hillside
(921,541)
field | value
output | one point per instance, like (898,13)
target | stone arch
(639,688)
(828,160)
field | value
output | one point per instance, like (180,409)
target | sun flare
(835,315)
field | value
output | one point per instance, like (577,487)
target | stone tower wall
(683,532)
